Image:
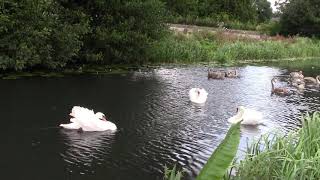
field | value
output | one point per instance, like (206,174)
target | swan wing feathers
(198,95)
(252,117)
(88,121)
(83,117)
(70,126)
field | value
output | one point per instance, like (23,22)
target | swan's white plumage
(247,116)
(198,95)
(87,120)
(71,126)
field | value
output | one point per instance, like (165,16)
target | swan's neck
(318,79)
(238,116)
(272,85)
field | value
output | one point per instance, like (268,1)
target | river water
(157,125)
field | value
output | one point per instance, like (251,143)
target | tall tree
(121,31)
(301,17)
(39,33)
(264,10)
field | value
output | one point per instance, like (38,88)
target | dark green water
(157,124)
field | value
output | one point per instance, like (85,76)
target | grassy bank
(228,48)
(295,156)
(292,156)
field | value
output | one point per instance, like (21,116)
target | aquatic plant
(172,174)
(220,160)
(222,157)
(295,156)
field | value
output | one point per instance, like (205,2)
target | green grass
(176,48)
(218,47)
(295,156)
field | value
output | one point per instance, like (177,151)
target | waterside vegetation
(276,156)
(227,47)
(56,34)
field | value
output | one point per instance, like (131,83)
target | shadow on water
(157,124)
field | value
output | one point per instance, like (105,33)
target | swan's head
(240,109)
(318,78)
(239,116)
(101,116)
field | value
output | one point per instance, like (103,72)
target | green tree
(39,33)
(121,31)
(264,10)
(182,7)
(301,17)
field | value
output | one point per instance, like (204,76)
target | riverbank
(185,44)
(294,156)
(190,44)
(293,64)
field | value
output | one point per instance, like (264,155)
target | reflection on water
(157,124)
(84,149)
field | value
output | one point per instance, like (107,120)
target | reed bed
(219,47)
(294,156)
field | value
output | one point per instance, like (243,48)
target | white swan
(247,116)
(87,120)
(198,95)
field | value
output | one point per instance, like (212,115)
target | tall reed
(226,48)
(295,156)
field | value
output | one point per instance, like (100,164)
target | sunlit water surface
(157,124)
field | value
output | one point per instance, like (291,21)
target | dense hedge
(53,33)
(301,17)
(221,10)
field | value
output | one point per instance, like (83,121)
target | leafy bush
(54,33)
(39,33)
(271,28)
(182,49)
(301,17)
(122,31)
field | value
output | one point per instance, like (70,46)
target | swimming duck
(216,74)
(278,91)
(232,74)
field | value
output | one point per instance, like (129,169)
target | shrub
(39,33)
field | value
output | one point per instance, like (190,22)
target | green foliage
(264,10)
(264,50)
(39,33)
(222,157)
(271,28)
(182,7)
(202,46)
(182,48)
(172,174)
(215,12)
(301,17)
(219,162)
(295,156)
(54,33)
(122,31)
